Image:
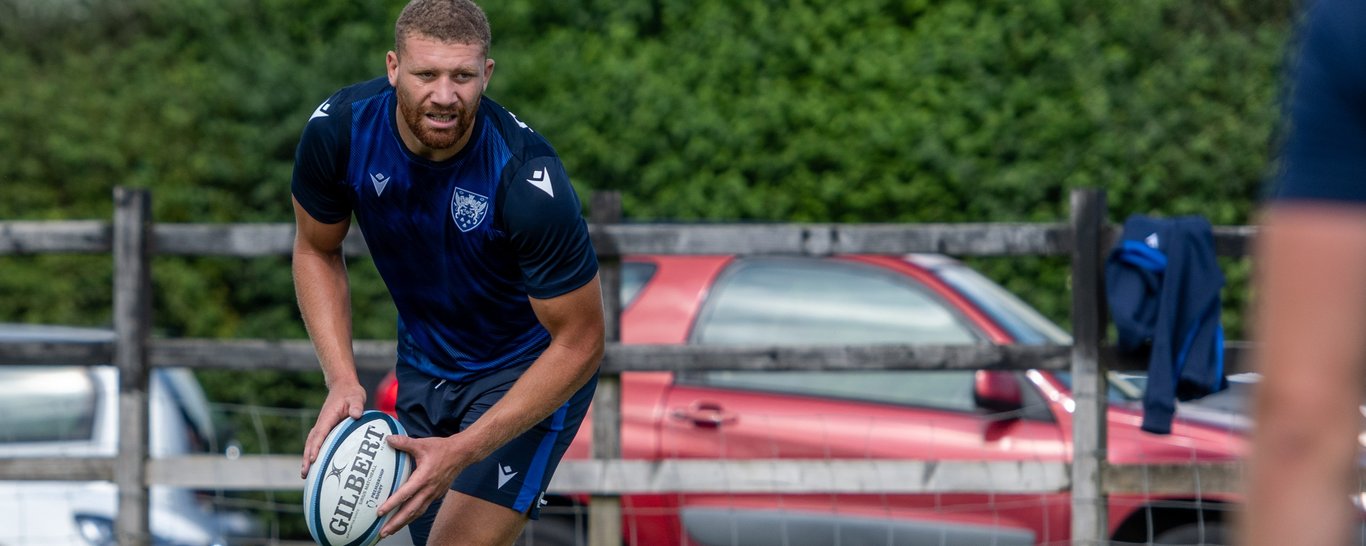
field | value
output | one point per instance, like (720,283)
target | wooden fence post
(604,525)
(1089,387)
(132,324)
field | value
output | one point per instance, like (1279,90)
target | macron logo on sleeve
(321,112)
(541,179)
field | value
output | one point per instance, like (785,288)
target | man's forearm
(321,285)
(1311,305)
(544,387)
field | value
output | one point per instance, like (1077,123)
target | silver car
(72,411)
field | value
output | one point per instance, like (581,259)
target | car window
(47,404)
(190,413)
(950,390)
(634,275)
(1025,324)
(788,301)
(803,301)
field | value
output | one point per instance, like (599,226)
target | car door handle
(705,414)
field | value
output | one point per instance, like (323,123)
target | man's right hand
(342,401)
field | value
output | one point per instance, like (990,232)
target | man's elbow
(593,347)
(599,349)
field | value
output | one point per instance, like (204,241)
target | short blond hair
(449,21)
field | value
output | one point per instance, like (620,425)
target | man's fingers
(310,451)
(397,519)
(405,514)
(316,435)
(400,496)
(401,442)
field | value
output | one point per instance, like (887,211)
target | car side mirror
(997,391)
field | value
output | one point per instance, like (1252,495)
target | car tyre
(1194,534)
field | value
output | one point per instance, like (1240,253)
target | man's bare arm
(1310,324)
(324,294)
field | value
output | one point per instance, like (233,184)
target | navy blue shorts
(516,475)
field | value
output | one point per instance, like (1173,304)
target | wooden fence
(132,238)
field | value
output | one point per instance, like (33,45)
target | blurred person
(478,235)
(1310,315)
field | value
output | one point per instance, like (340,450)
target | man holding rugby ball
(478,234)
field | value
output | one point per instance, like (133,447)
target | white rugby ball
(355,472)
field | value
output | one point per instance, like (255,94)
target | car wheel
(1195,534)
(553,531)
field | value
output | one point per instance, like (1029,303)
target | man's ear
(391,67)
(488,74)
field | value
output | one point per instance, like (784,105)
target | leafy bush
(764,110)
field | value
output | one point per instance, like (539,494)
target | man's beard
(436,139)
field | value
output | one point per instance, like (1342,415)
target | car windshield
(47,404)
(1124,387)
(1025,324)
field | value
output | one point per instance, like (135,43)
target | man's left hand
(436,463)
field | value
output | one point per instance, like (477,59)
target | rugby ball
(355,472)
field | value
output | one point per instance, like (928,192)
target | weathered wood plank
(823,239)
(1089,387)
(613,240)
(57,468)
(621,358)
(245,473)
(45,353)
(617,476)
(276,239)
(298,355)
(252,354)
(132,330)
(623,476)
(245,240)
(605,515)
(67,236)
(810,476)
(1176,479)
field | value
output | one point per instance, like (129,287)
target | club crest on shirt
(468,209)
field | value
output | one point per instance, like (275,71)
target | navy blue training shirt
(1324,155)
(460,243)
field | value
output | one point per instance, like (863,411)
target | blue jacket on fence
(1162,283)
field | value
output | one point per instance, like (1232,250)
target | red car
(933,415)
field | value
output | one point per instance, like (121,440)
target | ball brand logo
(336,471)
(354,486)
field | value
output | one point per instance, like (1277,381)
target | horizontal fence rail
(298,355)
(618,476)
(77,237)
(625,476)
(274,239)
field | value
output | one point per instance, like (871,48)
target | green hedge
(852,111)
(696,110)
